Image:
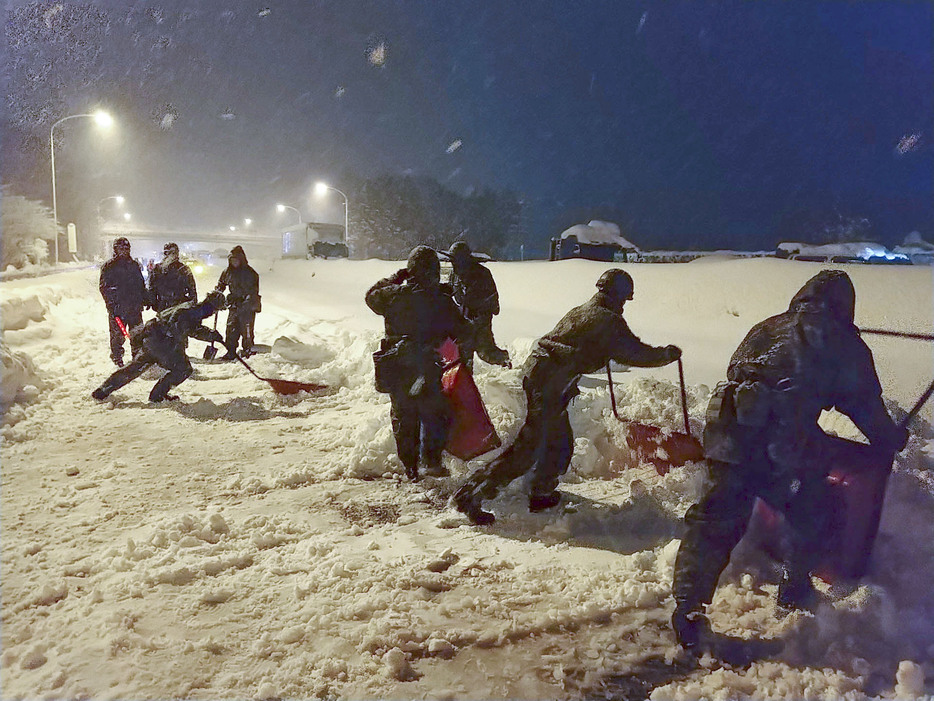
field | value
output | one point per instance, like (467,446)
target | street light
(126,216)
(282,207)
(322,188)
(120,200)
(103,120)
(233,228)
(247,221)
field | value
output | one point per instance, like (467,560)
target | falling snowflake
(165,116)
(340,91)
(642,19)
(376,54)
(908,143)
(265,12)
(454,145)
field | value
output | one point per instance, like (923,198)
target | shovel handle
(900,334)
(684,398)
(243,363)
(917,407)
(609,382)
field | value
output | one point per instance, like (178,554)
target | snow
(597,232)
(239,544)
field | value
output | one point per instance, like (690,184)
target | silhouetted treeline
(394,213)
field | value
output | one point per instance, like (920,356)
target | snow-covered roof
(597,232)
(915,244)
(855,249)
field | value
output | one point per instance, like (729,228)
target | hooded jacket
(171,284)
(792,366)
(122,285)
(243,281)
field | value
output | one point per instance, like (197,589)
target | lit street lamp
(247,222)
(282,207)
(103,120)
(120,200)
(233,228)
(126,216)
(322,188)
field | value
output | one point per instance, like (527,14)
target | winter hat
(459,253)
(423,264)
(170,248)
(121,243)
(616,283)
(215,300)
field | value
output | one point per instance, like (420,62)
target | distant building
(848,252)
(598,240)
(919,251)
(314,239)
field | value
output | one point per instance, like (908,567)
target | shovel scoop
(285,386)
(663,449)
(210,352)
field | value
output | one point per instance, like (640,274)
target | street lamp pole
(103,119)
(324,186)
(282,207)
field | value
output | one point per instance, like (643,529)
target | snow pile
(239,543)
(598,232)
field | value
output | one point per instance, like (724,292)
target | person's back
(426,315)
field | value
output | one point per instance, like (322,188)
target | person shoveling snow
(162,342)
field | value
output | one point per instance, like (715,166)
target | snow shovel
(857,484)
(210,352)
(284,386)
(663,450)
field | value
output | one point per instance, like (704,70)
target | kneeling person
(162,342)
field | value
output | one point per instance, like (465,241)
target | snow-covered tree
(27,226)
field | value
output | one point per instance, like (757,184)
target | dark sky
(727,124)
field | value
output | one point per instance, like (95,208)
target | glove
(217,338)
(399,276)
(673,353)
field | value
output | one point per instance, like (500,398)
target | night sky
(691,124)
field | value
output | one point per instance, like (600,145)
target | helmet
(423,265)
(215,299)
(616,283)
(459,253)
(122,243)
(170,248)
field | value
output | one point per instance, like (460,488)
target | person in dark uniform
(171,281)
(476,296)
(162,342)
(125,296)
(419,315)
(762,440)
(243,302)
(586,339)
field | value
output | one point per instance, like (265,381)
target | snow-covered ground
(239,544)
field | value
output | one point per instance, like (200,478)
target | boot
(229,356)
(412,472)
(436,470)
(101,393)
(165,398)
(468,504)
(796,592)
(691,626)
(540,502)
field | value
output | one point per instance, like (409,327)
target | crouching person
(586,339)
(162,342)
(419,315)
(762,440)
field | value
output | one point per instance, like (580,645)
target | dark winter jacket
(176,324)
(170,285)
(243,282)
(585,340)
(788,369)
(425,316)
(122,285)
(475,291)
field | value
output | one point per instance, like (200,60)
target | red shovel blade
(293,387)
(663,450)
